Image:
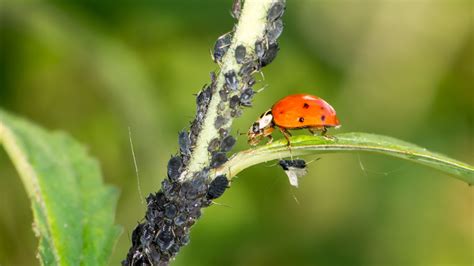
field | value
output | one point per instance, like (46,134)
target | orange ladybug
(294,112)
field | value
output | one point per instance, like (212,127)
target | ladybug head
(258,130)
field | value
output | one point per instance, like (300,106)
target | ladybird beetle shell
(303,111)
(294,112)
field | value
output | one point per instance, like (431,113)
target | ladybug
(295,111)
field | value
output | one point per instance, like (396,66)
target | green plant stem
(348,142)
(250,28)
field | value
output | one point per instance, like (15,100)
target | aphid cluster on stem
(170,214)
(176,207)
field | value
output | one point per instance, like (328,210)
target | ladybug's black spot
(322,108)
(305,106)
(301,119)
(323,118)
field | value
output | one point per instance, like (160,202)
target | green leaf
(73,210)
(304,145)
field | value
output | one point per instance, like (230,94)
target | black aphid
(293,169)
(213,145)
(204,97)
(246,97)
(221,46)
(170,211)
(220,121)
(237,112)
(184,142)
(175,165)
(248,68)
(240,53)
(287,164)
(165,238)
(269,55)
(218,159)
(224,95)
(137,232)
(231,80)
(223,133)
(234,101)
(276,11)
(221,107)
(274,31)
(217,187)
(236,9)
(227,143)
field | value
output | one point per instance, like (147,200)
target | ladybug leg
(324,131)
(323,134)
(287,135)
(313,130)
(267,132)
(270,139)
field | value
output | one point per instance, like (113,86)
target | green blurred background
(398,68)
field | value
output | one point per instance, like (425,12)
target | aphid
(170,211)
(231,80)
(220,121)
(246,97)
(221,46)
(274,31)
(236,112)
(276,11)
(269,54)
(213,145)
(227,143)
(223,133)
(234,101)
(204,97)
(236,9)
(175,165)
(294,169)
(248,68)
(217,187)
(218,159)
(184,142)
(224,95)
(294,112)
(221,107)
(240,53)
(165,238)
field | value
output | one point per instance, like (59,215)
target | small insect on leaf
(294,169)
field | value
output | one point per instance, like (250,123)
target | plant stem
(250,28)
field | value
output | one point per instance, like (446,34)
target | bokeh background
(398,68)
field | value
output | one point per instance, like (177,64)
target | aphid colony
(176,207)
